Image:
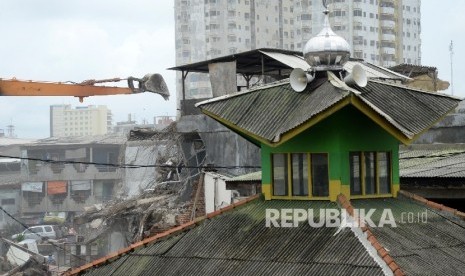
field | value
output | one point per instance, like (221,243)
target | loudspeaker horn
(357,77)
(299,79)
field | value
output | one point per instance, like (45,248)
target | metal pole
(263,69)
(451,50)
(183,91)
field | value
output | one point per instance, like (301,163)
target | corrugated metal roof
(412,109)
(292,61)
(255,176)
(250,62)
(238,243)
(80,140)
(436,160)
(271,111)
(374,71)
(436,247)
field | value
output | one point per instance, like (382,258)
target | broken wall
(223,147)
(140,153)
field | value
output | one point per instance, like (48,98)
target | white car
(38,232)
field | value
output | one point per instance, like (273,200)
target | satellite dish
(357,77)
(299,79)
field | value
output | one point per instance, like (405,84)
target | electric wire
(131,166)
(44,238)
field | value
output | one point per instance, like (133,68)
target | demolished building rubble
(154,197)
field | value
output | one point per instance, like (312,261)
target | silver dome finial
(327,50)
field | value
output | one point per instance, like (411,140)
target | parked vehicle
(39,232)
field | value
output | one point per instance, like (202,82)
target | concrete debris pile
(155,156)
(159,191)
(30,268)
(138,217)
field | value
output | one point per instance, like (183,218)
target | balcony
(388,23)
(50,204)
(48,172)
(388,37)
(387,10)
(388,50)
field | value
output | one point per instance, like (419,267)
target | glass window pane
(36,230)
(355,172)
(384,174)
(370,182)
(320,177)
(299,174)
(280,174)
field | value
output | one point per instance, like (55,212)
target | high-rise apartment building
(383,32)
(81,121)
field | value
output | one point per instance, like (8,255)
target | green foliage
(20,238)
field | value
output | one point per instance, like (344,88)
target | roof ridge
(380,249)
(170,232)
(433,204)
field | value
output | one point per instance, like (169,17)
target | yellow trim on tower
(266,190)
(313,121)
(379,120)
(352,99)
(236,128)
(334,189)
(370,196)
(395,189)
(345,190)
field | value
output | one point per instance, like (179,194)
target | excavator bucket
(150,83)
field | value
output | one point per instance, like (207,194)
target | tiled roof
(271,111)
(435,160)
(238,243)
(432,247)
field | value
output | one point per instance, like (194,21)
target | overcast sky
(76,40)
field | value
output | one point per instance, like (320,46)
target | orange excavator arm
(149,83)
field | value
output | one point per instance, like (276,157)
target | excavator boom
(149,83)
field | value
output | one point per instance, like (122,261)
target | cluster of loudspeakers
(300,78)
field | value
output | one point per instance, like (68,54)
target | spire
(327,50)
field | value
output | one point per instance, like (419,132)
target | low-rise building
(67,174)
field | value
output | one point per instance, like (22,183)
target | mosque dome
(327,50)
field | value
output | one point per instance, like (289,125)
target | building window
(370,173)
(320,174)
(8,201)
(280,174)
(384,172)
(306,16)
(299,174)
(306,172)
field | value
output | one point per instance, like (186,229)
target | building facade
(80,121)
(382,32)
(80,178)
